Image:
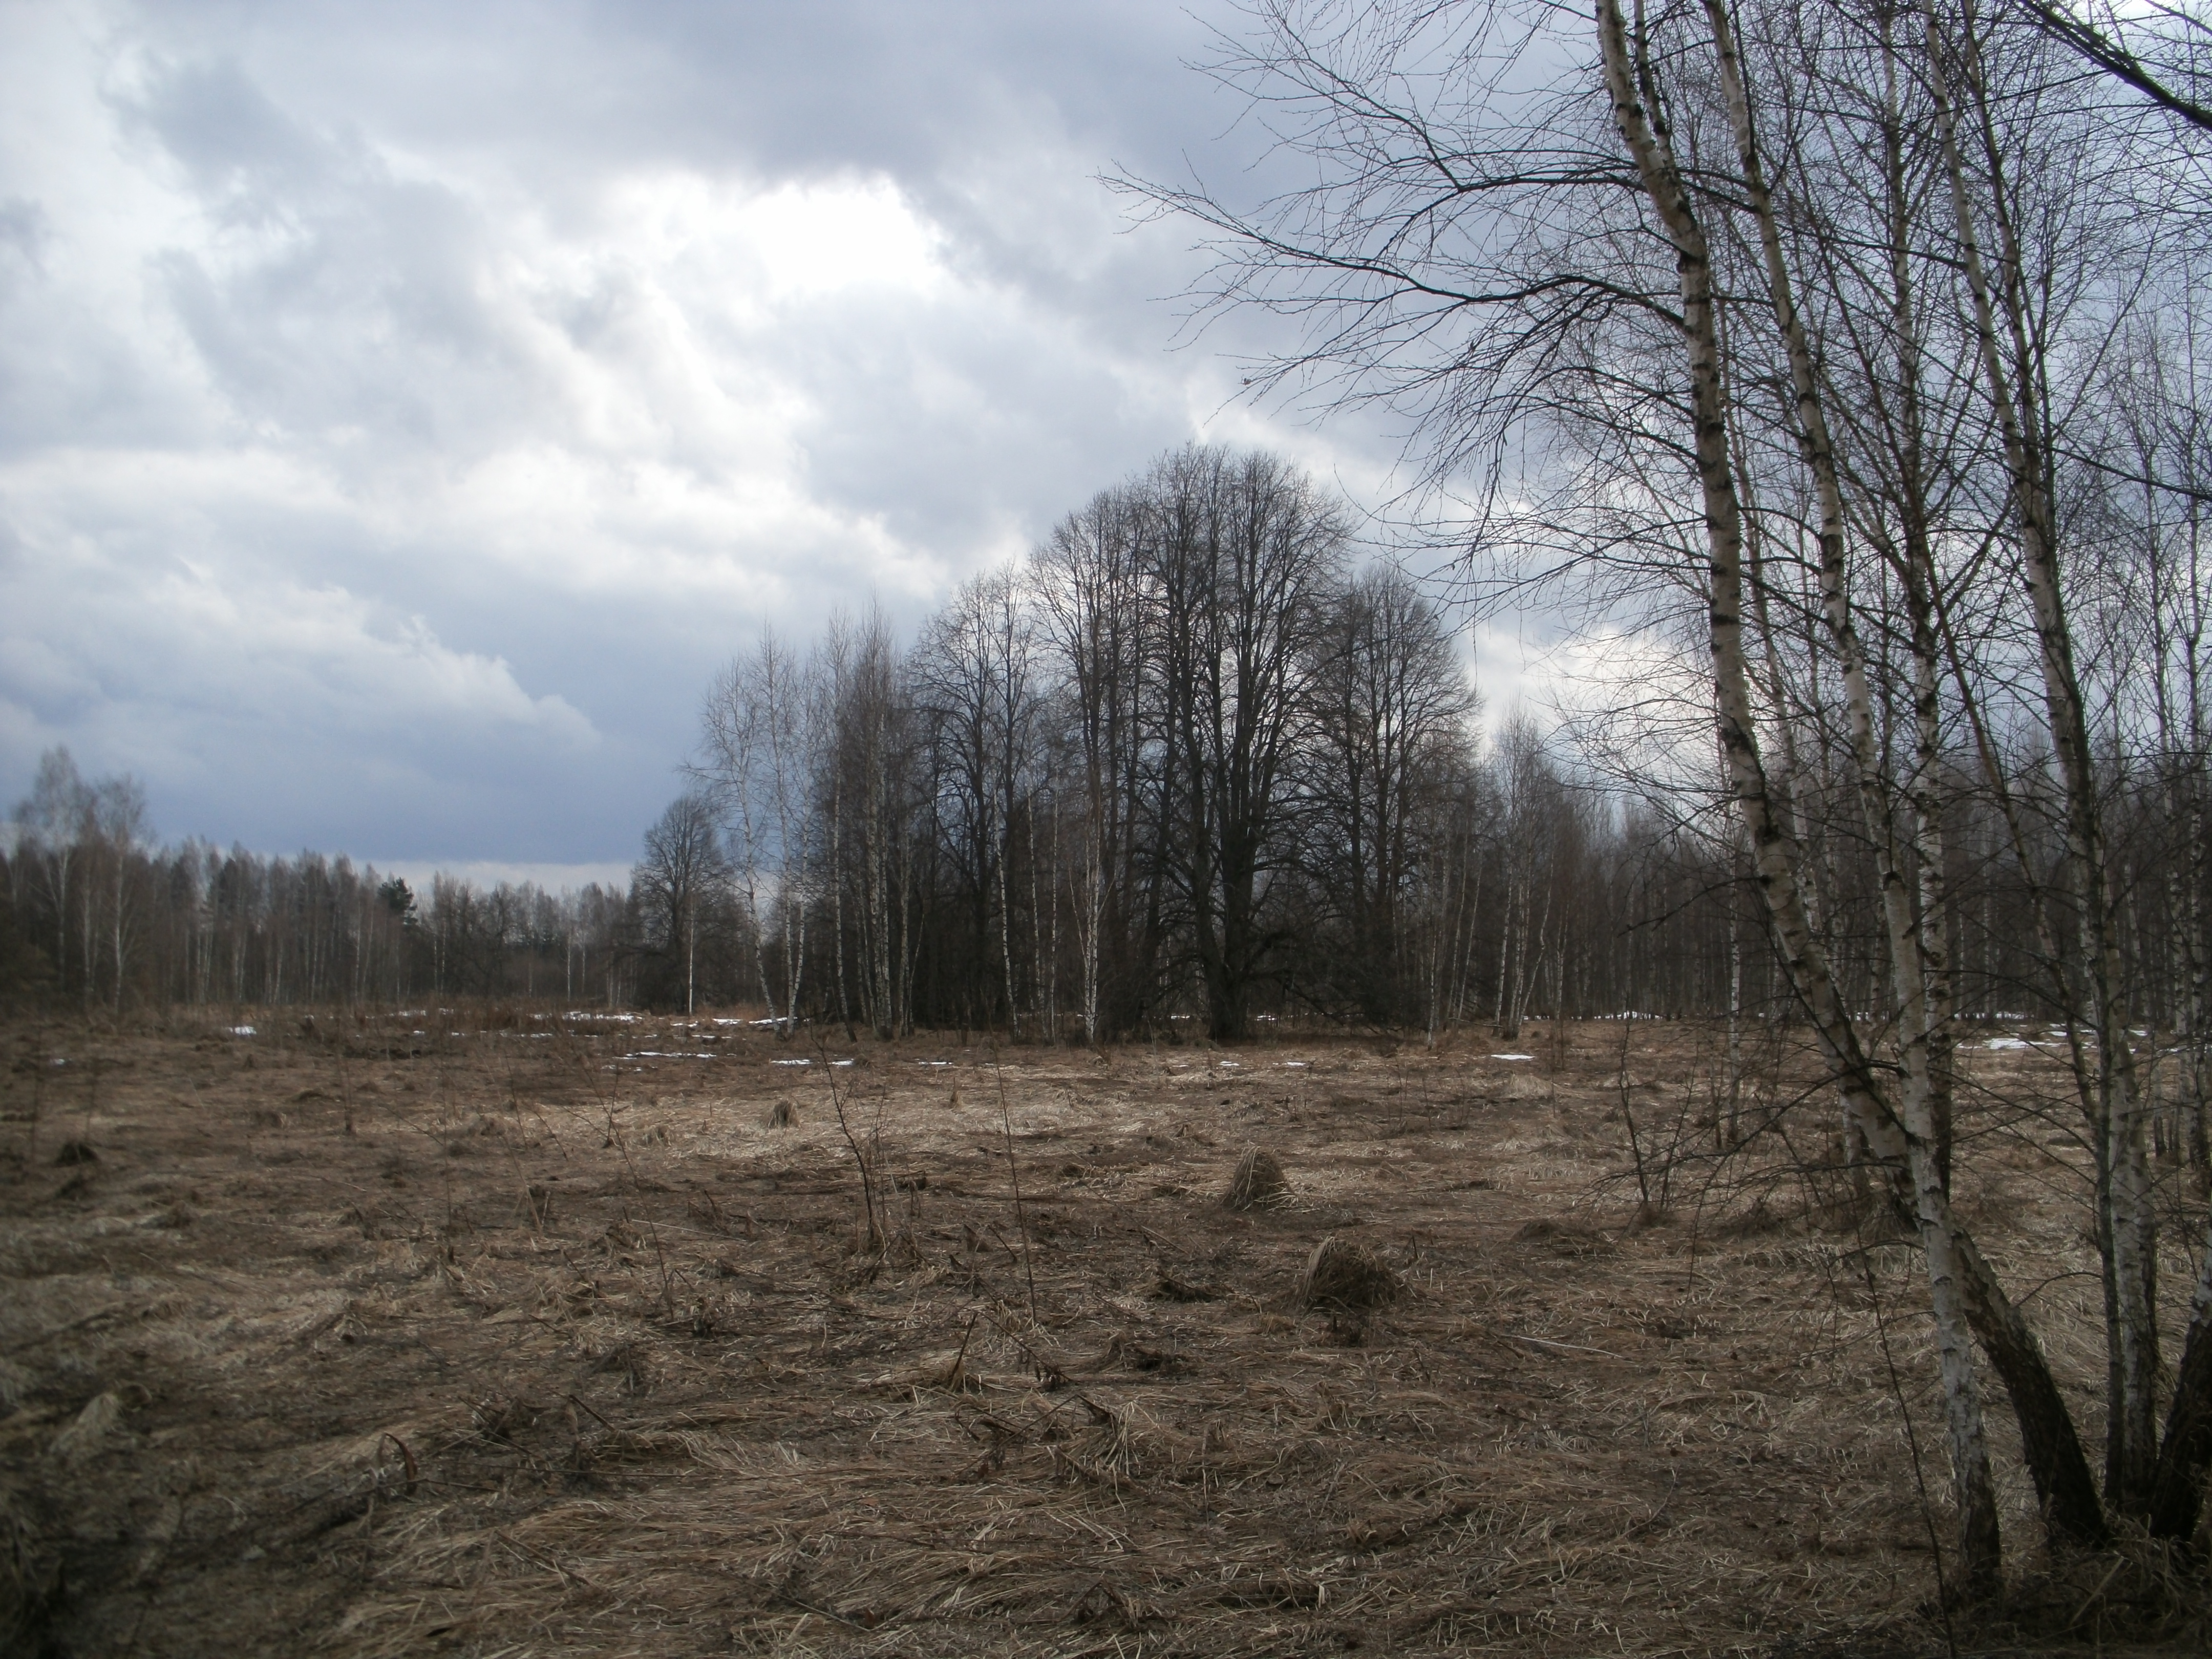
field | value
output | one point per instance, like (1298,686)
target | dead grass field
(485,1333)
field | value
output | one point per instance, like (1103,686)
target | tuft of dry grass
(1568,1238)
(31,1584)
(1342,1274)
(782,1115)
(1257,1182)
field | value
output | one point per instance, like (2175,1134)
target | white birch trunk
(1777,850)
(2127,1224)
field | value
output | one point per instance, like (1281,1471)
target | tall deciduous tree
(679,881)
(1243,554)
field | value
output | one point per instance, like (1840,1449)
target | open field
(490,1334)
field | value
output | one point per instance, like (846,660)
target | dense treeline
(1077,805)
(1185,770)
(99,916)
(1185,763)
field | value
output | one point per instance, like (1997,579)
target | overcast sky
(405,408)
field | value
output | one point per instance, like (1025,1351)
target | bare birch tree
(762,731)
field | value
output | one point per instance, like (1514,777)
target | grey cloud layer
(403,408)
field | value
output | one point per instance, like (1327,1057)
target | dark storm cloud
(404,408)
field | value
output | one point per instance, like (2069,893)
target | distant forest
(99,917)
(1186,768)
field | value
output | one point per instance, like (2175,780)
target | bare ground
(487,1334)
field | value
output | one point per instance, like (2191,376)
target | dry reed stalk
(1014,1173)
(871,1232)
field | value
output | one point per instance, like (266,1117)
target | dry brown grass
(563,1349)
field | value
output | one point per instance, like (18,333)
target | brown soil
(482,1335)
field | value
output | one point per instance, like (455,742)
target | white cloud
(812,239)
(440,393)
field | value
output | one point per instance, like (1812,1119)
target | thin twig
(1013,1169)
(1912,1445)
(1564,1347)
(867,1185)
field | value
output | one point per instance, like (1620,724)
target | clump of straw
(1342,1274)
(1258,1183)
